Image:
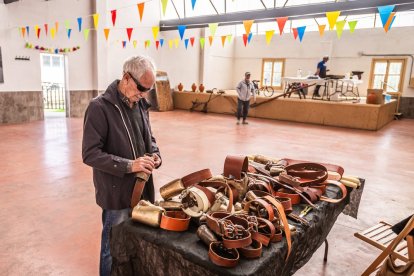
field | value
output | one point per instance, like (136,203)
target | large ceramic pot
(180,87)
(201,88)
(194,87)
(372,98)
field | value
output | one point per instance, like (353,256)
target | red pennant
(113,13)
(245,39)
(157,43)
(141,10)
(295,32)
(46,28)
(192,41)
(129,32)
(38,33)
(281,21)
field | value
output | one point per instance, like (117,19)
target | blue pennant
(186,42)
(385,12)
(301,32)
(181,30)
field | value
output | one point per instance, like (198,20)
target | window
(272,72)
(46,60)
(56,61)
(387,74)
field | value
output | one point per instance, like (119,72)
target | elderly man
(118,144)
(245,89)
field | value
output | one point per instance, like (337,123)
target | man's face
(139,88)
(325,59)
(247,77)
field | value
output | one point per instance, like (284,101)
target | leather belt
(196,177)
(141,179)
(294,197)
(335,172)
(252,251)
(222,256)
(284,200)
(175,221)
(304,174)
(265,212)
(235,166)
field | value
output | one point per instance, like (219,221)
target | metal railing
(53,95)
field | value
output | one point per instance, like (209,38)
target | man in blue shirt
(321,72)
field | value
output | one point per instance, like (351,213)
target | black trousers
(316,92)
(242,109)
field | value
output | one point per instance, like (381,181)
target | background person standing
(321,72)
(245,89)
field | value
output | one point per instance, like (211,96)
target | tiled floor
(51,224)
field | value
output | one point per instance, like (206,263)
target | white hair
(138,65)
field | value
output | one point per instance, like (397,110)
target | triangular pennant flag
(69,32)
(181,30)
(46,29)
(332,17)
(145,44)
(106,32)
(157,43)
(86,34)
(193,2)
(249,37)
(301,32)
(170,43)
(210,39)
(388,25)
(223,40)
(161,41)
(321,29)
(281,21)
(229,37)
(95,20)
(123,44)
(186,43)
(38,32)
(27,30)
(141,10)
(352,25)
(134,43)
(164,6)
(57,26)
(79,24)
(385,12)
(340,27)
(295,32)
(213,28)
(245,39)
(176,42)
(67,24)
(269,35)
(248,25)
(36,27)
(192,41)
(148,43)
(53,33)
(113,16)
(202,42)
(23,31)
(155,31)
(129,33)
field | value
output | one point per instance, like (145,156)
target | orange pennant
(106,31)
(321,29)
(223,39)
(210,39)
(56,26)
(248,25)
(389,21)
(23,31)
(46,28)
(281,21)
(141,10)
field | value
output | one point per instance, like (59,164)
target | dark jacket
(107,147)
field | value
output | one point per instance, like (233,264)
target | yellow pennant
(269,35)
(170,43)
(332,17)
(36,27)
(95,20)
(134,43)
(155,31)
(176,41)
(248,25)
(321,29)
(52,32)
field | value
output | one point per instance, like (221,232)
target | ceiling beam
(293,12)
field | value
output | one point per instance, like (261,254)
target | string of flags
(387,15)
(51,49)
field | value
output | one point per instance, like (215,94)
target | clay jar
(201,88)
(193,87)
(372,98)
(180,87)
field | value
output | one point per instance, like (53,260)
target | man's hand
(143,164)
(157,160)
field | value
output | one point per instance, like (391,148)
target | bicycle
(267,90)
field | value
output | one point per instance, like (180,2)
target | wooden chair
(383,237)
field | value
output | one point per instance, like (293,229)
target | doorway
(53,85)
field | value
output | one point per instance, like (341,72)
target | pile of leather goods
(246,208)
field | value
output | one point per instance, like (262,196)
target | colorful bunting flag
(134,43)
(193,2)
(147,43)
(388,25)
(80,24)
(123,44)
(249,37)
(245,39)
(385,12)
(95,20)
(23,31)
(141,10)
(170,43)
(176,42)
(57,26)
(202,42)
(223,40)
(67,24)
(301,32)
(332,17)
(27,30)
(106,32)
(192,41)
(321,29)
(281,21)
(38,32)
(53,33)
(295,32)
(164,6)
(157,43)
(181,30)
(46,28)
(113,16)
(129,33)
(186,43)
(352,25)
(248,25)
(340,27)
(155,31)
(69,32)
(86,34)
(213,28)
(229,38)
(269,35)
(161,41)
(210,39)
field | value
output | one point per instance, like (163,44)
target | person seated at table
(321,72)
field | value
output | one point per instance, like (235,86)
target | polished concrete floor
(51,224)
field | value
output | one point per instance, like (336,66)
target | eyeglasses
(139,85)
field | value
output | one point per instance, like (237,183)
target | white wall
(25,75)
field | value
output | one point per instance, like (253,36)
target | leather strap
(304,174)
(265,231)
(252,251)
(196,177)
(218,184)
(259,213)
(235,166)
(343,190)
(175,221)
(137,193)
(222,256)
(285,201)
(330,167)
(284,193)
